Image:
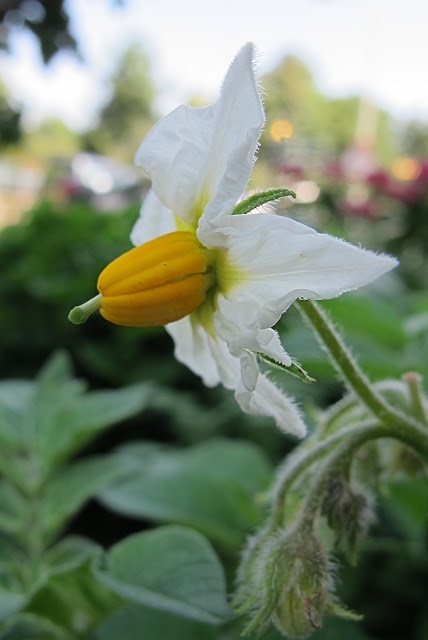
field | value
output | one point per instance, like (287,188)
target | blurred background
(346,102)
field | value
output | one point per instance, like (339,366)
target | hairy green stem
(347,440)
(341,457)
(303,459)
(350,370)
(413,381)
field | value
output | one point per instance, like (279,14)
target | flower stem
(298,464)
(413,380)
(350,370)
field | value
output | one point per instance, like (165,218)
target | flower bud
(285,580)
(348,513)
(306,590)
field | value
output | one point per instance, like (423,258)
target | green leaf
(74,485)
(14,515)
(294,369)
(210,487)
(127,624)
(53,417)
(74,600)
(66,418)
(15,397)
(339,629)
(406,502)
(372,318)
(10,603)
(94,412)
(69,553)
(258,199)
(29,627)
(170,568)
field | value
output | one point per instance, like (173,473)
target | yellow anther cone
(154,284)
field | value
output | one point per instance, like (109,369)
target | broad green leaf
(210,487)
(94,412)
(67,418)
(369,317)
(69,553)
(29,627)
(74,600)
(10,603)
(338,629)
(15,397)
(54,416)
(406,502)
(14,516)
(72,486)
(170,568)
(128,622)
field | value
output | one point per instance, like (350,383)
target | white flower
(254,266)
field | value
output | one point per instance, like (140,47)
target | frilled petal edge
(200,154)
(282,260)
(209,357)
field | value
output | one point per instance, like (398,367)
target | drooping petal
(282,260)
(205,354)
(209,357)
(267,400)
(155,220)
(239,326)
(198,154)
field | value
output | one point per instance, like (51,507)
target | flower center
(158,282)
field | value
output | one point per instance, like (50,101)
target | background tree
(415,138)
(10,117)
(320,126)
(45,18)
(128,114)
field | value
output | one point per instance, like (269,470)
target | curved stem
(341,458)
(413,380)
(349,369)
(297,464)
(353,437)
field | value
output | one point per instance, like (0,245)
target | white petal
(204,354)
(268,400)
(208,356)
(284,260)
(154,220)
(196,154)
(238,324)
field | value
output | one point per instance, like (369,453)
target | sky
(377,48)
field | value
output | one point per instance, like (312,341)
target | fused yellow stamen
(156,283)
(161,281)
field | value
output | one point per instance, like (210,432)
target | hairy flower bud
(285,580)
(348,513)
(306,589)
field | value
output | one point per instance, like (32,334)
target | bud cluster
(348,511)
(286,579)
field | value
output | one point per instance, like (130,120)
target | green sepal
(257,199)
(295,369)
(337,609)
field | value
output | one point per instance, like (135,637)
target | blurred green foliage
(64,589)
(139,471)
